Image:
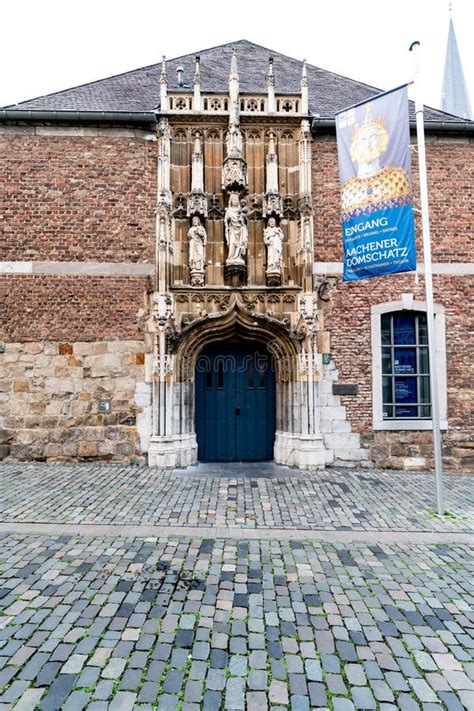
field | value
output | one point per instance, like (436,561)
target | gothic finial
(234,74)
(163,86)
(197,85)
(304,74)
(304,90)
(234,90)
(270,75)
(271,108)
(197,70)
(163,70)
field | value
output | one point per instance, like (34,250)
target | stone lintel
(85,131)
(78,268)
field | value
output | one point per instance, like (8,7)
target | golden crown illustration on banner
(370,137)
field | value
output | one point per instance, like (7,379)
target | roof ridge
(80,86)
(125,73)
(138,90)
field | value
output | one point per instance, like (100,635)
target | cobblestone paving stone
(206,624)
(329,500)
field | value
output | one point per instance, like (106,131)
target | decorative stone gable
(235,257)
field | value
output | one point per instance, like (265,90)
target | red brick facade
(68,198)
(450,184)
(92,199)
(451,177)
(71,308)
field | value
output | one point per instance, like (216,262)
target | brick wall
(451,177)
(450,185)
(71,308)
(92,198)
(349,324)
(66,198)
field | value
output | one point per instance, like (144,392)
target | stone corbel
(308,311)
(324,286)
(163,310)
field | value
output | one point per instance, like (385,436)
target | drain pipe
(445,126)
(85,116)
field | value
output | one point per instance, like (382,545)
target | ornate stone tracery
(234,199)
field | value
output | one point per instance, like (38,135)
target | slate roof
(139,90)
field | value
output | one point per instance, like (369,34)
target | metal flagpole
(425,221)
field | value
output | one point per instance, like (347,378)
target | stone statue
(236,232)
(273,238)
(197,251)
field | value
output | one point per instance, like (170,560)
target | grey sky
(49,45)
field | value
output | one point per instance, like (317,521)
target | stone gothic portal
(235,403)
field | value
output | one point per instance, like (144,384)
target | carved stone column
(170,444)
(197,211)
(305,205)
(234,181)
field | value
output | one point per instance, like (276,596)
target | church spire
(454,96)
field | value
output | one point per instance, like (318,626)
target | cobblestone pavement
(190,621)
(329,500)
(174,623)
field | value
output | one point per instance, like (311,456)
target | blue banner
(378,226)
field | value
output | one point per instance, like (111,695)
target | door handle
(237,410)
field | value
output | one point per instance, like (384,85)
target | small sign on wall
(345,389)
(105,405)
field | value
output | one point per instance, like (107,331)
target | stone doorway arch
(294,445)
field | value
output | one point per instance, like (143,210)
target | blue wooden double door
(235,403)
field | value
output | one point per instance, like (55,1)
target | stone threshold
(238,533)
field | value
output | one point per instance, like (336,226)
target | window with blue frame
(405,366)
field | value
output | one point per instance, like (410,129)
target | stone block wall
(50,397)
(343,446)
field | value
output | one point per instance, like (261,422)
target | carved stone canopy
(196,204)
(234,174)
(272,205)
